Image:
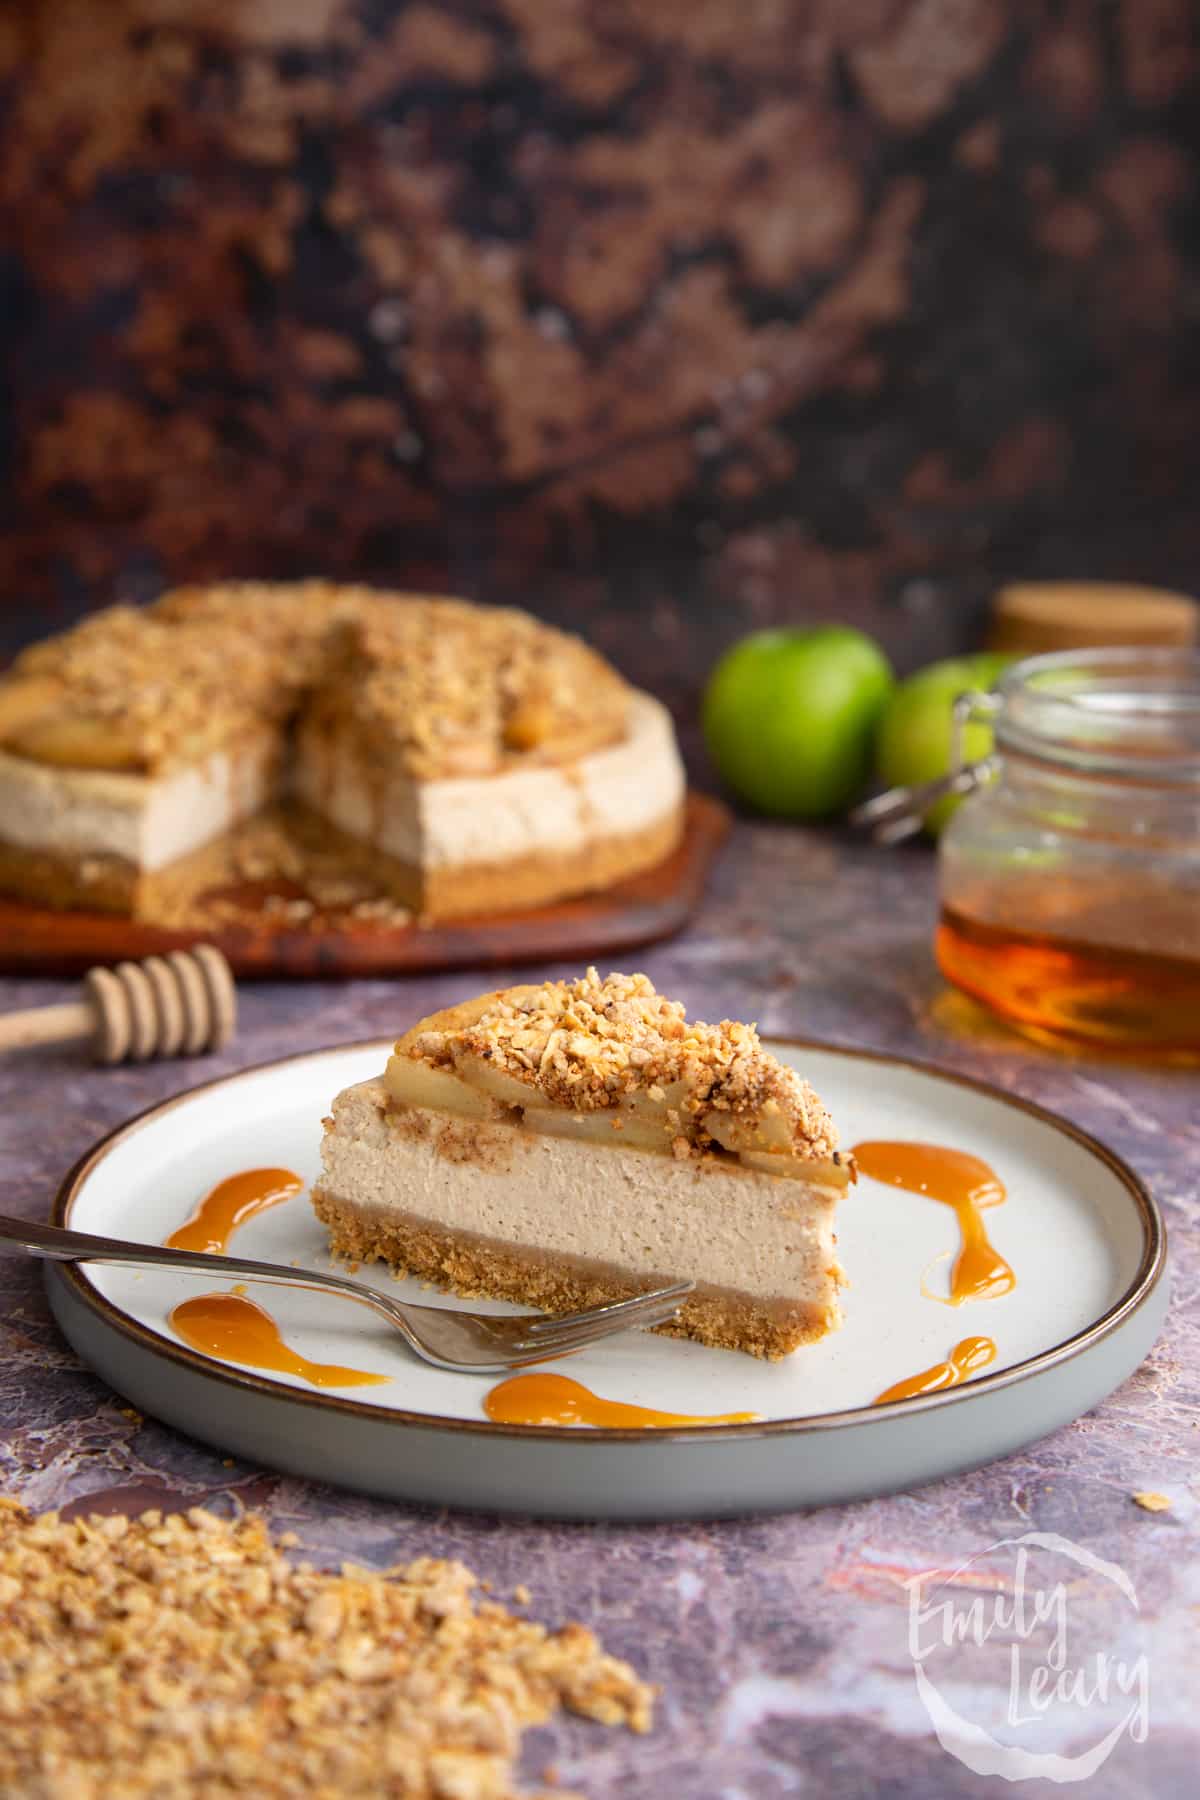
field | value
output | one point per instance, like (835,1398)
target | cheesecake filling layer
(473,1266)
(482,821)
(148,821)
(762,1237)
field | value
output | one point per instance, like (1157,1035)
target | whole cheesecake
(468,758)
(566,1144)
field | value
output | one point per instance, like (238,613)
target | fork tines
(641,1310)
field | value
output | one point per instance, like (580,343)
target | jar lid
(1031,617)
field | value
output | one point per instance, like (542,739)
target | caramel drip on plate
(962,1182)
(233,1203)
(557,1400)
(966,1359)
(235,1329)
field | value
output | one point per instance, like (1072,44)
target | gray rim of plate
(1145,1280)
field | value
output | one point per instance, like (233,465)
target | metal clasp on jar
(899,812)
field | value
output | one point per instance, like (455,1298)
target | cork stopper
(1030,618)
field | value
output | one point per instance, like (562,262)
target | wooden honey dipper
(180,1004)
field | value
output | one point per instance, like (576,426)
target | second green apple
(914,740)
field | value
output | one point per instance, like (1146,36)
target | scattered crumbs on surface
(227,1462)
(1149,1501)
(132,1414)
(185,1654)
(277,870)
(385,911)
(521,1594)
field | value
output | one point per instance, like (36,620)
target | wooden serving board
(262,941)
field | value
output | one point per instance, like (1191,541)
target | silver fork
(475,1343)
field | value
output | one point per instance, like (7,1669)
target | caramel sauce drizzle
(962,1182)
(966,1359)
(234,1329)
(231,1204)
(557,1400)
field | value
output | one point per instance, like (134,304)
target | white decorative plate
(1082,1234)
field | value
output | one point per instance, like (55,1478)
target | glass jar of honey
(1070,880)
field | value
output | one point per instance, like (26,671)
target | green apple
(914,738)
(789,717)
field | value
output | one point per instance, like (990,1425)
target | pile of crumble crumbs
(590,1043)
(186,1657)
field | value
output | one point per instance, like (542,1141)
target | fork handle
(55,1244)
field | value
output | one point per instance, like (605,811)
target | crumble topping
(187,1655)
(124,690)
(590,1044)
(441,686)
(447,688)
(296,617)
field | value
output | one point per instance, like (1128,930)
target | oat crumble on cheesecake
(576,1141)
(465,758)
(589,1044)
(442,688)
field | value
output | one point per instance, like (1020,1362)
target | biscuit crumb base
(287,867)
(188,1656)
(282,868)
(475,1267)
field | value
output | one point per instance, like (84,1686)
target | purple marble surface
(781,1644)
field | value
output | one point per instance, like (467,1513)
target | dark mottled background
(708,312)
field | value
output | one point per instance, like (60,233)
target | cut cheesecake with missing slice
(475,760)
(576,1142)
(457,758)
